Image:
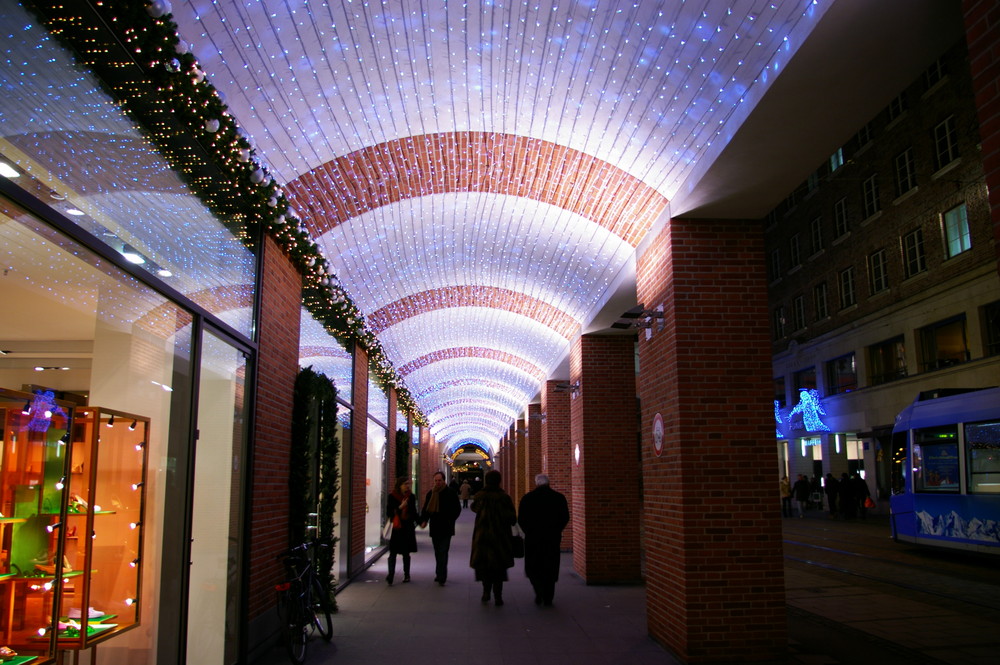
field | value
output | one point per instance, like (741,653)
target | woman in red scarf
(402,510)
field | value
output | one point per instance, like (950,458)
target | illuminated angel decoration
(810,408)
(43,407)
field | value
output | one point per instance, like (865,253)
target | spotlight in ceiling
(132,256)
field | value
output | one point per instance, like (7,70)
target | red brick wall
(555,450)
(281,295)
(606,483)
(358,454)
(533,456)
(714,573)
(982,26)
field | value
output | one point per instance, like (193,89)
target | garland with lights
(183,96)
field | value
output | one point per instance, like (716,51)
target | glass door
(214,590)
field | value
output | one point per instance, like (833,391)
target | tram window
(982,443)
(935,459)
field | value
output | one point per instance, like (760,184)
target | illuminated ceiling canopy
(480,174)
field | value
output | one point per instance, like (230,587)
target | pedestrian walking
(491,549)
(401,508)
(543,514)
(441,509)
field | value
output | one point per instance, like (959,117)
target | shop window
(841,375)
(886,361)
(982,448)
(935,459)
(956,231)
(943,344)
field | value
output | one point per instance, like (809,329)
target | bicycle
(303,604)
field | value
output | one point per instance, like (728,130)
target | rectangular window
(943,344)
(896,107)
(775,265)
(906,173)
(991,328)
(935,459)
(812,182)
(841,375)
(886,361)
(819,301)
(799,312)
(836,160)
(816,234)
(847,295)
(945,143)
(865,135)
(878,273)
(956,231)
(869,191)
(840,217)
(934,74)
(778,322)
(982,450)
(779,391)
(913,253)
(794,252)
(805,379)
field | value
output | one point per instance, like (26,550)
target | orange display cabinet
(101,527)
(32,466)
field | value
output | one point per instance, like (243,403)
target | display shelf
(19,660)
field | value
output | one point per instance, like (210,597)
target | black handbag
(517,542)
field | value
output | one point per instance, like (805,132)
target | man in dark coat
(542,514)
(441,509)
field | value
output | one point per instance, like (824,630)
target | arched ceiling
(480,174)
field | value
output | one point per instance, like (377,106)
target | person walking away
(401,508)
(543,514)
(861,494)
(785,489)
(464,492)
(846,500)
(800,490)
(441,509)
(832,489)
(491,549)
(816,493)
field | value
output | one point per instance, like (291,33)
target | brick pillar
(714,574)
(521,448)
(533,456)
(605,459)
(430,459)
(358,454)
(281,291)
(982,26)
(555,450)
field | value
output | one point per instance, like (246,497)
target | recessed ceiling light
(76,212)
(132,256)
(8,171)
(163,272)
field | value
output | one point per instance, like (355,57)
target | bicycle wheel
(321,610)
(296,632)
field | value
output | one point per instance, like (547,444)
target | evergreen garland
(402,454)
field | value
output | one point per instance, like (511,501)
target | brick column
(714,574)
(982,26)
(555,450)
(358,454)
(605,459)
(533,456)
(520,483)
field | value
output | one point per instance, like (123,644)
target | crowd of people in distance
(541,514)
(846,498)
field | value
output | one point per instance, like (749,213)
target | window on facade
(935,459)
(847,294)
(804,379)
(812,182)
(870,194)
(943,344)
(991,329)
(945,143)
(906,173)
(878,273)
(934,74)
(913,253)
(841,375)
(864,135)
(799,312)
(820,302)
(778,323)
(779,391)
(775,265)
(956,231)
(982,450)
(840,217)
(886,361)
(896,107)
(794,251)
(837,160)
(816,234)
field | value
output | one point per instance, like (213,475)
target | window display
(73,494)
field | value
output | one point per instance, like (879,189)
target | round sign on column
(658,434)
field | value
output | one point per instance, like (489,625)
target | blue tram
(946,470)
